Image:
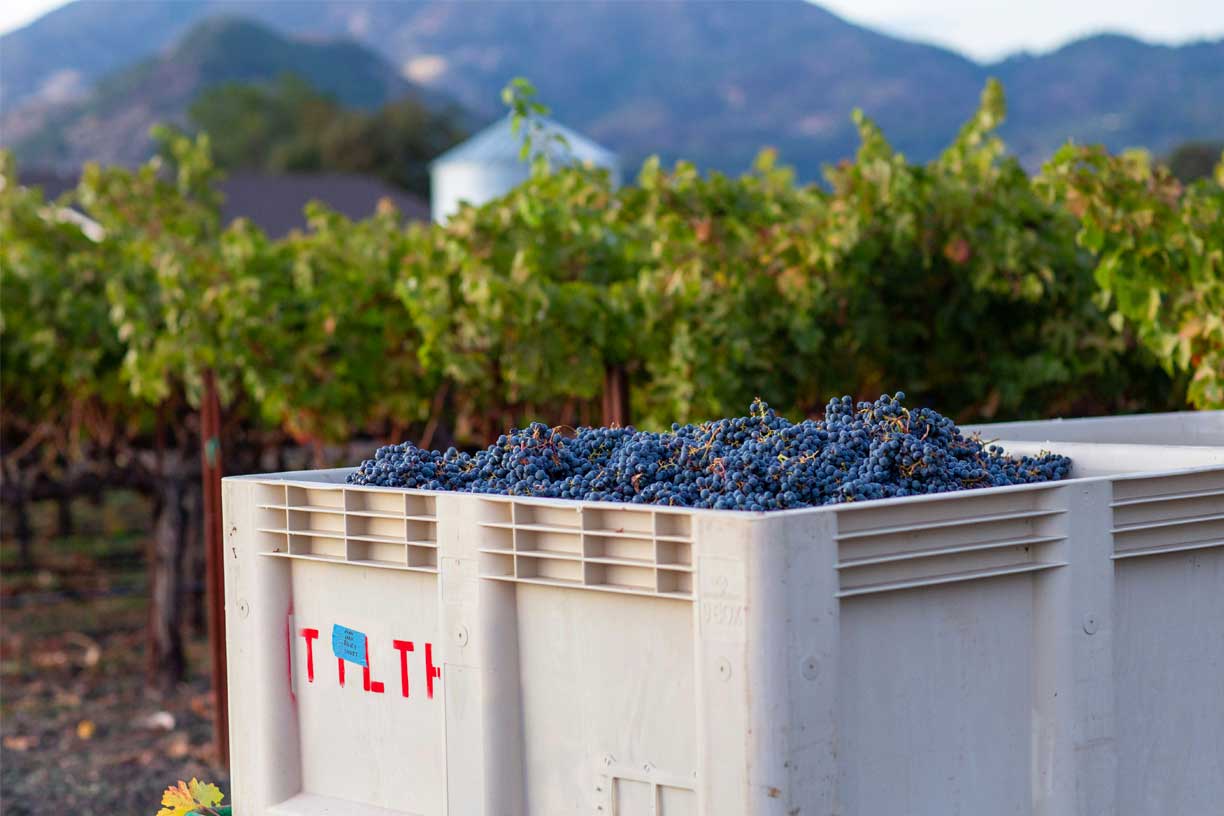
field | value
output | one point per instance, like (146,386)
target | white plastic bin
(1051,649)
(1193,428)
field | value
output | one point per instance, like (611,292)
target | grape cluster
(872,450)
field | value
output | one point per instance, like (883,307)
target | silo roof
(498,144)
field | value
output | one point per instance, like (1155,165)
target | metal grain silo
(488,164)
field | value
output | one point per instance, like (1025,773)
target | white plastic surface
(1045,649)
(1195,428)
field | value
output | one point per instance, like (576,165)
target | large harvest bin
(1052,649)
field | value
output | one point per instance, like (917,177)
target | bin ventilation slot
(1168,515)
(949,578)
(636,551)
(348,525)
(1140,490)
(945,542)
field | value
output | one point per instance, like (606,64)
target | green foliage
(540,144)
(171,301)
(953,279)
(964,285)
(519,97)
(978,289)
(1159,255)
(332,353)
(731,294)
(60,353)
(521,302)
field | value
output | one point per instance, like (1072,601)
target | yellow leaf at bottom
(177,801)
(205,793)
(184,798)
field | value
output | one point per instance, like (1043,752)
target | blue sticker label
(349,644)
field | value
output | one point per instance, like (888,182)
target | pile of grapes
(872,450)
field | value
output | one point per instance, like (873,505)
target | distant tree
(396,142)
(289,126)
(1194,160)
(259,126)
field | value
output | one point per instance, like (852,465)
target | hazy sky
(982,29)
(989,29)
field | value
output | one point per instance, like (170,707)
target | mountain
(112,121)
(713,82)
(1116,91)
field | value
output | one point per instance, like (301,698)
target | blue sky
(982,29)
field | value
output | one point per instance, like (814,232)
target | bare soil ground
(79,731)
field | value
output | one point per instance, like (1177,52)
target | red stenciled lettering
(289,656)
(310,636)
(404,647)
(366,683)
(431,671)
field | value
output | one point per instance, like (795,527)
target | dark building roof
(53,184)
(275,203)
